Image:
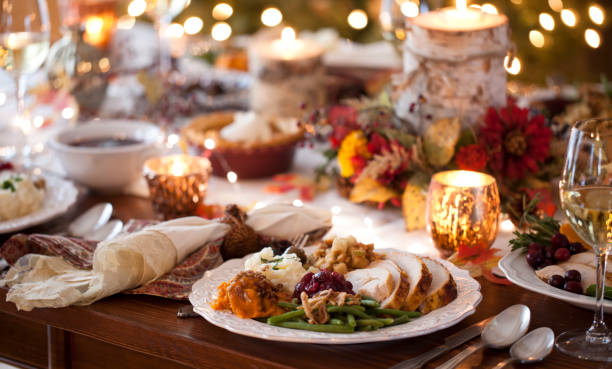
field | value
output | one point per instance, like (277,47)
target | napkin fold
(119,264)
(284,221)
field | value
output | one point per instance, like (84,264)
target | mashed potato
(19,195)
(284,269)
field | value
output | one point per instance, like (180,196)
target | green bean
(369,303)
(336,321)
(401,320)
(287,305)
(366,328)
(395,312)
(348,309)
(328,328)
(351,320)
(286,316)
(373,322)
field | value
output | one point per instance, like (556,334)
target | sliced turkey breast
(372,281)
(402,285)
(419,278)
(443,288)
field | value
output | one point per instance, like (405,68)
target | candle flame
(288,34)
(461,5)
(177,168)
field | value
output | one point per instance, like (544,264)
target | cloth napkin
(120,264)
(284,221)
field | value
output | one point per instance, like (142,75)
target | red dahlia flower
(516,142)
(472,157)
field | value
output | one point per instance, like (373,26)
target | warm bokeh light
(193,25)
(556,5)
(288,34)
(515,66)
(489,8)
(461,4)
(222,11)
(592,38)
(517,2)
(568,17)
(126,22)
(358,19)
(174,30)
(597,15)
(137,7)
(271,17)
(536,38)
(221,31)
(409,9)
(547,21)
(232,177)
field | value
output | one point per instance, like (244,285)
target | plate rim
(46,212)
(508,266)
(473,293)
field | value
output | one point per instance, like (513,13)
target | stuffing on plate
(343,254)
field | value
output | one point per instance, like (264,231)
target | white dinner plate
(60,194)
(515,266)
(205,291)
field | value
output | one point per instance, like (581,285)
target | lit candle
(288,73)
(462,209)
(177,184)
(453,66)
(459,18)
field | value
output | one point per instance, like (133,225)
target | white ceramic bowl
(106,169)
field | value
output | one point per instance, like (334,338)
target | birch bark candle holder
(453,66)
(288,74)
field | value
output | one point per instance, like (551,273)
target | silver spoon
(535,346)
(94,218)
(106,232)
(505,329)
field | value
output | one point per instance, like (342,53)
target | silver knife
(450,343)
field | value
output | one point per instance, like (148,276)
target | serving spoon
(505,329)
(92,219)
(533,347)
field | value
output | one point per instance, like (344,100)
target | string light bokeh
(545,32)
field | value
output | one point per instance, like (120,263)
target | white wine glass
(586,199)
(162,12)
(24,36)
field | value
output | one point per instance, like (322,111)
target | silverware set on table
(506,329)
(95,224)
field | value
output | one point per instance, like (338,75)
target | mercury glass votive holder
(177,184)
(463,208)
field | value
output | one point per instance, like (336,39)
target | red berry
(576,248)
(556,281)
(562,254)
(573,275)
(559,240)
(573,286)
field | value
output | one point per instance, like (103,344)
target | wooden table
(125,331)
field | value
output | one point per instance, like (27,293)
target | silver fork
(299,240)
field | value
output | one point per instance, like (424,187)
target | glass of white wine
(24,36)
(586,199)
(162,12)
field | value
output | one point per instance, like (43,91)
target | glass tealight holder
(177,184)
(463,208)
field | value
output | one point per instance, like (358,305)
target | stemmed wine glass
(162,12)
(586,198)
(24,35)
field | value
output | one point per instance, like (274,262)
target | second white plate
(520,273)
